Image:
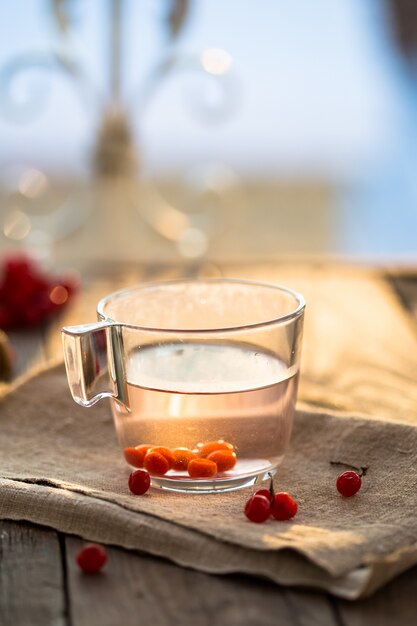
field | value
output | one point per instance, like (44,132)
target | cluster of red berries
(28,296)
(265,503)
(206,460)
(262,505)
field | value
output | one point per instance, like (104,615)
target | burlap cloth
(60,465)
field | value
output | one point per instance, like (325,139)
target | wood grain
(31,578)
(29,349)
(406,289)
(138,589)
(83,308)
(395,604)
(360,346)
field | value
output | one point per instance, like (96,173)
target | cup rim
(297,312)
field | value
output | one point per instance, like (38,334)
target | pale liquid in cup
(182,394)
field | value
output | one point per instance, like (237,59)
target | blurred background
(167,130)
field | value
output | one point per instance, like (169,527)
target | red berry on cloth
(283,507)
(348,483)
(257,509)
(139,482)
(91,558)
(264,492)
(268,493)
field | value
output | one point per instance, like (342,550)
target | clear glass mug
(189,362)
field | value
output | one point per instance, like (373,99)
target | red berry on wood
(283,506)
(257,509)
(91,558)
(139,482)
(348,484)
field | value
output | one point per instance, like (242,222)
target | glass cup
(193,362)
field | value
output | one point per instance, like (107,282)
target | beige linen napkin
(60,466)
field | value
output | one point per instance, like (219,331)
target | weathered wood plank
(31,576)
(360,346)
(406,288)
(83,308)
(395,604)
(310,608)
(29,349)
(141,589)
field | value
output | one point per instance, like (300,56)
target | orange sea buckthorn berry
(224,459)
(182,456)
(202,468)
(166,453)
(135,456)
(155,463)
(211,446)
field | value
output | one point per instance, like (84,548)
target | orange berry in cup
(211,446)
(135,456)
(182,456)
(202,468)
(224,459)
(156,463)
(166,453)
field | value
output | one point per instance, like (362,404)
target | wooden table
(41,585)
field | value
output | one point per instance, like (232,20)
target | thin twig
(360,470)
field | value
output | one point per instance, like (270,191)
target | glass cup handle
(94,361)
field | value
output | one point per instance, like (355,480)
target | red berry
(27,295)
(283,506)
(264,492)
(257,508)
(91,558)
(348,483)
(139,482)
(6,318)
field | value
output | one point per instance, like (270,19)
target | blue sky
(318,91)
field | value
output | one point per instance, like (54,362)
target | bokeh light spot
(216,61)
(16,225)
(32,183)
(58,294)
